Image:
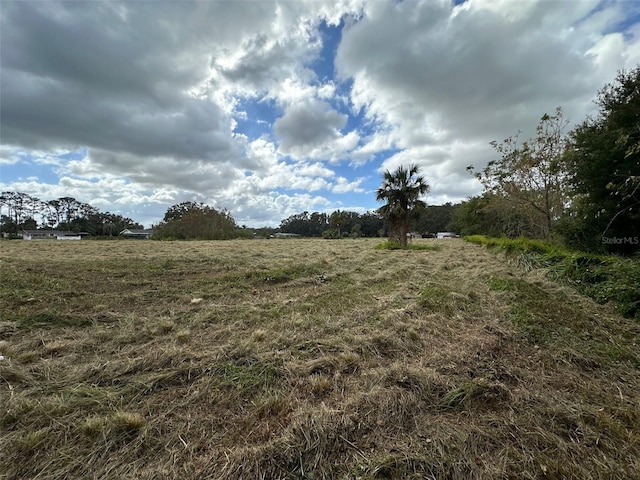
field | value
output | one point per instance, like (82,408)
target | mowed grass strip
(306,359)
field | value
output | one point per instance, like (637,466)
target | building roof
(130,231)
(53,233)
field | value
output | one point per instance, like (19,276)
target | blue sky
(269,108)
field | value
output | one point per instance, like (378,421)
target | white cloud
(342,185)
(9,155)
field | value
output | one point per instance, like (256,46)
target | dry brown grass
(317,359)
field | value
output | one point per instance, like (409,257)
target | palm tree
(401,190)
(339,219)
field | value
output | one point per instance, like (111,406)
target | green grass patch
(498,284)
(540,316)
(551,320)
(388,245)
(247,377)
(49,319)
(442,299)
(473,393)
(605,278)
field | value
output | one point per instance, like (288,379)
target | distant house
(284,235)
(447,235)
(141,234)
(52,235)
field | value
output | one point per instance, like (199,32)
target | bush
(331,233)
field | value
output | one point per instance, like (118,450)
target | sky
(270,109)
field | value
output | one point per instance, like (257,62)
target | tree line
(423,220)
(21,211)
(193,220)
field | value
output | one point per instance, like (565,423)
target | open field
(316,359)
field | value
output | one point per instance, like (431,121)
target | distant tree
(7,225)
(190,220)
(29,224)
(17,205)
(338,219)
(54,216)
(330,233)
(433,218)
(316,223)
(69,207)
(21,209)
(401,190)
(299,224)
(492,215)
(111,224)
(179,210)
(603,161)
(66,213)
(372,223)
(531,174)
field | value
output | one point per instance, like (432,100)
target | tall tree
(54,217)
(401,189)
(531,174)
(604,164)
(372,224)
(339,219)
(69,208)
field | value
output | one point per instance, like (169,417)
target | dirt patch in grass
(307,359)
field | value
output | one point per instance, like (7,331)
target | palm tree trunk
(404,228)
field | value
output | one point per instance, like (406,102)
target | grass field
(314,359)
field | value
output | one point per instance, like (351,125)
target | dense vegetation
(317,223)
(426,220)
(603,166)
(582,188)
(197,221)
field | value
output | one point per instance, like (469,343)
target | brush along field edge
(306,359)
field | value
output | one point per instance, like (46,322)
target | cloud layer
(272,108)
